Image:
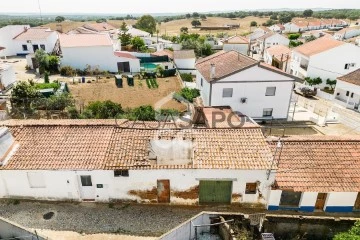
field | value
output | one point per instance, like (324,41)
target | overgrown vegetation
(146,23)
(188,94)
(47,63)
(87,71)
(313,81)
(186,77)
(352,234)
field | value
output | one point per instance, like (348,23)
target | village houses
(237,43)
(270,39)
(326,58)
(250,87)
(347,91)
(278,56)
(185,61)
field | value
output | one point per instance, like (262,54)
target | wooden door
(320,201)
(163,191)
(357,202)
(217,192)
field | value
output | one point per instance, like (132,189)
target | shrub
(67,71)
(144,113)
(54,85)
(189,93)
(102,110)
(46,77)
(186,77)
(294,36)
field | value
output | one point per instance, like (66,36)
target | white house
(7,76)
(35,38)
(316,174)
(325,58)
(258,32)
(279,28)
(301,25)
(7,35)
(278,56)
(237,43)
(252,88)
(97,51)
(271,39)
(134,32)
(347,91)
(347,33)
(99,161)
(185,61)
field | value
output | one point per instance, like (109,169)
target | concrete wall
(7,76)
(335,201)
(65,185)
(340,201)
(185,65)
(241,48)
(6,38)
(252,84)
(11,230)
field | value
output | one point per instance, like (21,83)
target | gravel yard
(91,218)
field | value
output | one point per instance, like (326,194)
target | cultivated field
(140,94)
(173,27)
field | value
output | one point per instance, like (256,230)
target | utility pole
(41,18)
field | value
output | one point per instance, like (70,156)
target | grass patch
(53,85)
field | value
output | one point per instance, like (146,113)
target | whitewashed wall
(204,89)
(6,38)
(240,48)
(252,84)
(65,185)
(185,63)
(7,76)
(49,43)
(340,201)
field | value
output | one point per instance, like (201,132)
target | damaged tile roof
(84,40)
(353,77)
(236,40)
(319,164)
(280,52)
(84,145)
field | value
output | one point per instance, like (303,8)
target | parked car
(306,92)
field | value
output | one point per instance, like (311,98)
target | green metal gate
(215,192)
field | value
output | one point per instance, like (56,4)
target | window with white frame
(270,91)
(227,92)
(267,112)
(349,65)
(36,180)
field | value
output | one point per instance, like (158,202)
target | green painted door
(215,192)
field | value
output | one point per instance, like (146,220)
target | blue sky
(164,6)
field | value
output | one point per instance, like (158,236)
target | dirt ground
(140,94)
(68,235)
(173,27)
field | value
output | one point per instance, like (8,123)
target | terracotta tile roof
(279,50)
(184,54)
(317,46)
(269,34)
(236,40)
(344,30)
(124,55)
(353,77)
(266,29)
(319,164)
(99,26)
(85,40)
(36,33)
(164,52)
(226,63)
(82,145)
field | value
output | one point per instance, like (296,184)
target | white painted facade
(240,48)
(48,43)
(186,65)
(276,39)
(101,57)
(347,33)
(276,28)
(347,95)
(66,185)
(251,85)
(6,39)
(7,76)
(292,28)
(335,201)
(327,64)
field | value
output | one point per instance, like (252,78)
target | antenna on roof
(41,18)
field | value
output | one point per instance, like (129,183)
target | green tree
(195,23)
(195,15)
(294,36)
(189,93)
(138,43)
(22,95)
(313,81)
(42,58)
(274,17)
(308,13)
(293,44)
(188,15)
(253,24)
(144,113)
(184,30)
(103,110)
(146,23)
(46,77)
(203,17)
(269,22)
(331,83)
(285,17)
(352,234)
(310,38)
(59,19)
(124,37)
(53,64)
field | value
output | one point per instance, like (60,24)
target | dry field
(173,27)
(127,96)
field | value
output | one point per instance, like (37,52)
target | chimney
(212,71)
